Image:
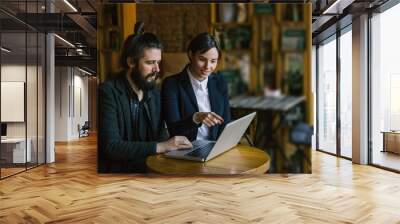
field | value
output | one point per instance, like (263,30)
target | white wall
(61,103)
(80,110)
(13,72)
(71,94)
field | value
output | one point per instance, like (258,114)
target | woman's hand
(208,118)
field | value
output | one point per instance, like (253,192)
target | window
(313,86)
(327,96)
(346,93)
(385,85)
(22,66)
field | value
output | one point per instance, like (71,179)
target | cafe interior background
(266,61)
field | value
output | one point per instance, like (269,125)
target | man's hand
(174,143)
(208,118)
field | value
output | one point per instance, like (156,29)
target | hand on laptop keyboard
(202,151)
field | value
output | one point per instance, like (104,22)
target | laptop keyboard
(203,151)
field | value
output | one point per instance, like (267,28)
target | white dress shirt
(201,92)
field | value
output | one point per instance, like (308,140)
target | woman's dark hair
(136,43)
(202,43)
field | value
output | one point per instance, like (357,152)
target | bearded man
(131,127)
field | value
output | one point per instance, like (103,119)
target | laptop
(203,150)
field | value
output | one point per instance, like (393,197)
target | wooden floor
(386,159)
(5,172)
(70,191)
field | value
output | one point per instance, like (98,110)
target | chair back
(301,134)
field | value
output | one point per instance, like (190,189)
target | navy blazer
(179,104)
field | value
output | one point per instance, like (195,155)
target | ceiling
(328,15)
(76,24)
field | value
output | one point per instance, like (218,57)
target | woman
(195,101)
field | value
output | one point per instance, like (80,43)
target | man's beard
(141,82)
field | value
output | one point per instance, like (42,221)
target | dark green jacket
(118,148)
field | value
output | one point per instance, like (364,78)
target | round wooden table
(239,160)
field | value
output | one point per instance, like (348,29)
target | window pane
(314,78)
(327,97)
(346,94)
(31,100)
(385,88)
(15,150)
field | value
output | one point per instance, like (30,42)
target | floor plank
(71,191)
(386,159)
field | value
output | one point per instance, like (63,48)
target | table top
(282,103)
(238,160)
(391,132)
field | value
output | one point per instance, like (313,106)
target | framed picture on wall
(12,101)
